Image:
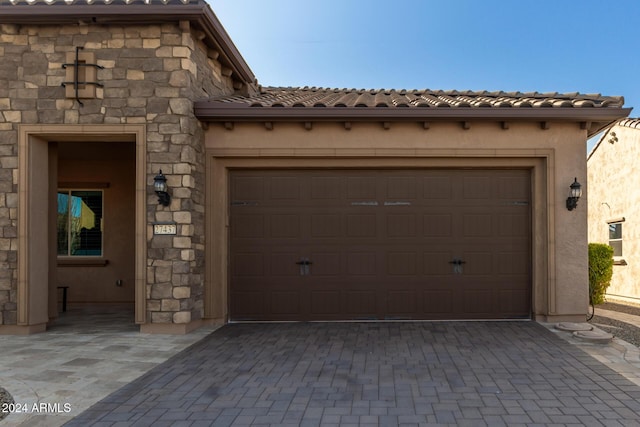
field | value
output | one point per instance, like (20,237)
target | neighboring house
(285,203)
(614,205)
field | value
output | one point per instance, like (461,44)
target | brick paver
(378,374)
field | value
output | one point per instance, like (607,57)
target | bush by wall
(600,271)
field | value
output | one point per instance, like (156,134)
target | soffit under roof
(131,12)
(326,104)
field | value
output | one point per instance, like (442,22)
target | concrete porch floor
(86,354)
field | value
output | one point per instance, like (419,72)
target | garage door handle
(304,264)
(457,265)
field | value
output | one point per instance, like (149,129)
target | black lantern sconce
(160,186)
(574,195)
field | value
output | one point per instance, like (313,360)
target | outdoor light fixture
(160,186)
(574,195)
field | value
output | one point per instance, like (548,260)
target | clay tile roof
(594,111)
(630,123)
(312,96)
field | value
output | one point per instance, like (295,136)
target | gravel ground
(624,331)
(5,398)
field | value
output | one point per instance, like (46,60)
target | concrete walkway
(616,315)
(464,373)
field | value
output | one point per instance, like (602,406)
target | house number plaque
(164,229)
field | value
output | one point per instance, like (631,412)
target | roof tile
(630,123)
(426,98)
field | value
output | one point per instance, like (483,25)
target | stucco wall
(613,180)
(556,156)
(151,76)
(111,165)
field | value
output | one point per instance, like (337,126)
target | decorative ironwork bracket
(76,83)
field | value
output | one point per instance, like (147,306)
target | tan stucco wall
(113,164)
(613,180)
(559,237)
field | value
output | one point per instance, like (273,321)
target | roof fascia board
(599,118)
(209,111)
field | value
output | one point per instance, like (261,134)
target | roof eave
(598,118)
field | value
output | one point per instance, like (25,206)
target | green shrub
(600,271)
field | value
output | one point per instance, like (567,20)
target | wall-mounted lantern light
(574,194)
(160,186)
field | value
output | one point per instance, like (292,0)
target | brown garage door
(380,244)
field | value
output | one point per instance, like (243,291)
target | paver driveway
(432,373)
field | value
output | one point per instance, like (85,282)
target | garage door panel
(287,226)
(285,303)
(284,188)
(362,188)
(401,225)
(438,225)
(380,244)
(284,264)
(324,188)
(513,225)
(248,226)
(513,187)
(248,264)
(401,305)
(437,187)
(401,263)
(326,263)
(247,188)
(513,302)
(326,225)
(476,187)
(437,302)
(401,188)
(513,263)
(477,263)
(437,264)
(362,225)
(248,304)
(478,303)
(477,225)
(361,304)
(326,304)
(361,263)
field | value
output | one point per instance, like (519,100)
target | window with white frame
(79,223)
(615,238)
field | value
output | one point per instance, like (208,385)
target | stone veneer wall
(152,74)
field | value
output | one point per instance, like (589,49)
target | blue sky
(585,46)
